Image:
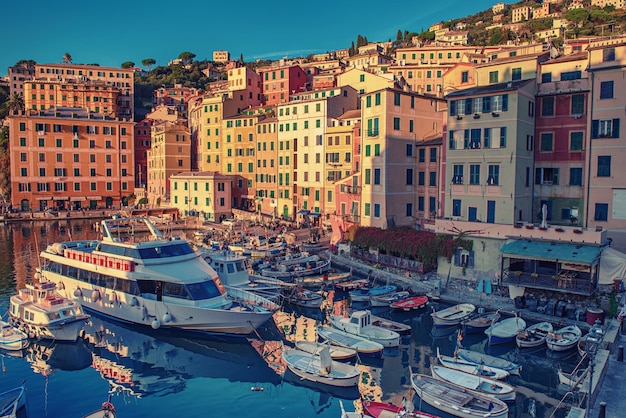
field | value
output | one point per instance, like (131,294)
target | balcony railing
(559,282)
(350,189)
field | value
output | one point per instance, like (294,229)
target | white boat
(483,359)
(305,298)
(41,312)
(351,284)
(321,281)
(11,337)
(107,410)
(484,385)
(291,259)
(290,272)
(564,339)
(336,352)
(12,401)
(505,330)
(360,323)
(345,339)
(574,378)
(389,324)
(452,315)
(473,368)
(321,368)
(479,323)
(364,294)
(456,400)
(154,281)
(345,414)
(387,300)
(535,335)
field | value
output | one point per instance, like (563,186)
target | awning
(77,198)
(303,212)
(551,251)
(59,198)
(94,198)
(315,215)
(43,198)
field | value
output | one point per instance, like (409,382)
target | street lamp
(592,342)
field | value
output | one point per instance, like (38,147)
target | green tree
(16,103)
(148,62)
(399,36)
(67,58)
(576,15)
(186,57)
(128,64)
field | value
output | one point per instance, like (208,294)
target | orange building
(69,158)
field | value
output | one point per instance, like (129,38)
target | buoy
(78,293)
(167,317)
(156,324)
(95,295)
(61,286)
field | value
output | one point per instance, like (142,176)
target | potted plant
(559,229)
(573,220)
(530,226)
(517,225)
(578,231)
(534,275)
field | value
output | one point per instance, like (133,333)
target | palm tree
(16,103)
(67,58)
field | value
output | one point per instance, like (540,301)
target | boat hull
(453,315)
(564,339)
(344,339)
(308,366)
(486,386)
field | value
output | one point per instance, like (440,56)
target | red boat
(412,303)
(351,284)
(380,409)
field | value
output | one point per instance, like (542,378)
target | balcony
(560,87)
(350,189)
(566,282)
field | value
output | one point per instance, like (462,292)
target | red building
(281,82)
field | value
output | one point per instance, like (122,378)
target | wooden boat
(336,352)
(473,368)
(534,336)
(505,330)
(360,323)
(398,327)
(572,379)
(321,368)
(482,359)
(388,410)
(410,304)
(564,339)
(305,298)
(345,414)
(388,299)
(12,338)
(456,400)
(365,294)
(484,385)
(107,410)
(452,315)
(479,323)
(321,281)
(344,339)
(12,401)
(351,284)
(313,247)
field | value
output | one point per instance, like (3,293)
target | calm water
(159,374)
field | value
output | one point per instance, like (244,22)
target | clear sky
(112,32)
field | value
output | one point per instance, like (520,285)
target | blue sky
(113,32)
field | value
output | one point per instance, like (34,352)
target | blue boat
(364,295)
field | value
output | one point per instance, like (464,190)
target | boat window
(176,290)
(147,286)
(53,316)
(241,266)
(67,312)
(231,268)
(203,290)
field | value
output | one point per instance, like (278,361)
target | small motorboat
(452,315)
(348,285)
(473,368)
(484,385)
(12,401)
(305,298)
(11,337)
(345,339)
(107,410)
(360,323)
(388,299)
(505,330)
(345,414)
(365,294)
(336,352)
(482,359)
(456,400)
(398,327)
(564,339)
(389,410)
(535,335)
(321,368)
(410,304)
(479,323)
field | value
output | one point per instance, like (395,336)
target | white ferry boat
(157,281)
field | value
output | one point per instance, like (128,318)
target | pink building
(281,82)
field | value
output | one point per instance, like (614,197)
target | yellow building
(271,191)
(365,81)
(338,157)
(206,194)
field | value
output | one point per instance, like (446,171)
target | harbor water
(157,373)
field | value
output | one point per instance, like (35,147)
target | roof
(551,250)
(493,88)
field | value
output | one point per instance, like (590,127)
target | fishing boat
(388,299)
(322,281)
(344,339)
(41,312)
(410,304)
(470,367)
(293,259)
(456,400)
(313,247)
(484,385)
(11,337)
(336,352)
(107,410)
(12,401)
(151,281)
(452,315)
(300,270)
(477,324)
(505,330)
(354,284)
(321,368)
(483,359)
(534,336)
(564,339)
(365,294)
(360,323)
(305,298)
(389,410)
(391,325)
(346,414)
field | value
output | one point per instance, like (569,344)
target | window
(546,77)
(409,176)
(367,176)
(366,209)
(575,176)
(493,76)
(608,128)
(546,142)
(474,174)
(487,137)
(409,150)
(457,174)
(494,175)
(376,210)
(464,77)
(433,155)
(608,54)
(422,155)
(421,178)
(576,141)
(396,99)
(571,75)
(420,203)
(547,176)
(475,139)
(432,205)
(456,207)
(516,74)
(377,176)
(503,137)
(547,106)
(602,212)
(606,89)
(578,104)
(396,124)
(432,178)
(604,166)
(409,209)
